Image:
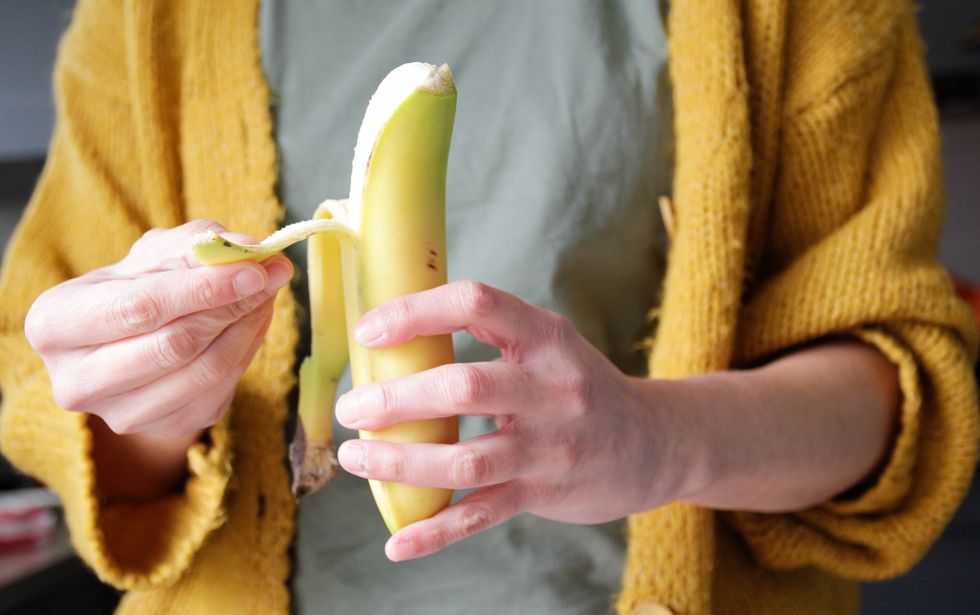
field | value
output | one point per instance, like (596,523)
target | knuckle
(234,312)
(194,417)
(477,298)
(576,390)
(443,536)
(200,225)
(399,311)
(37,327)
(475,518)
(212,371)
(214,417)
(560,326)
(392,466)
(206,290)
(134,311)
(567,453)
(471,468)
(145,239)
(68,395)
(150,234)
(384,397)
(539,499)
(174,348)
(470,386)
(145,242)
(220,410)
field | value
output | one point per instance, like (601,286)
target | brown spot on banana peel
(431,263)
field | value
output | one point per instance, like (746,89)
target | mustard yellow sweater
(807,203)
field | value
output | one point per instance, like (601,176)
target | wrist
(785,436)
(685,463)
(709,432)
(137,467)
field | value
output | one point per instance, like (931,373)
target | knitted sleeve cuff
(891,485)
(127,545)
(152,543)
(886,528)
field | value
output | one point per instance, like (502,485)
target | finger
(196,415)
(148,357)
(155,407)
(221,364)
(203,413)
(185,259)
(490,315)
(486,460)
(475,513)
(492,388)
(171,248)
(108,311)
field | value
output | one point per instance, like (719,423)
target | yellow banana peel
(388,239)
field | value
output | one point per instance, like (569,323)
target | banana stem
(311,453)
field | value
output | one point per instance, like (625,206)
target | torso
(561,147)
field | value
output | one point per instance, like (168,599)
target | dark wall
(29,32)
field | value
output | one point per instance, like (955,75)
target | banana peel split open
(386,240)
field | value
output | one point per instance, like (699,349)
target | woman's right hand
(157,342)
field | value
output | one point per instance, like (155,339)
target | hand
(574,438)
(156,342)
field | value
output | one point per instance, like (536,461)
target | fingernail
(279,274)
(400,549)
(353,457)
(369,328)
(248,282)
(348,409)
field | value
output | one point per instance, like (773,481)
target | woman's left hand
(576,439)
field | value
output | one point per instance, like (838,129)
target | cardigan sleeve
(852,251)
(92,202)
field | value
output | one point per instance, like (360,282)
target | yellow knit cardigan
(807,203)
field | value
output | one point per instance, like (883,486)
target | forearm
(137,467)
(789,435)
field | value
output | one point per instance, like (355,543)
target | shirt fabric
(561,146)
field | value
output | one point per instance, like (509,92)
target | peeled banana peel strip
(212,249)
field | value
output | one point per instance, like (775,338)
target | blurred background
(39,573)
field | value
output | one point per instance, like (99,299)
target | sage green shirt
(561,147)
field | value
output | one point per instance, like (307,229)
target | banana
(398,187)
(391,238)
